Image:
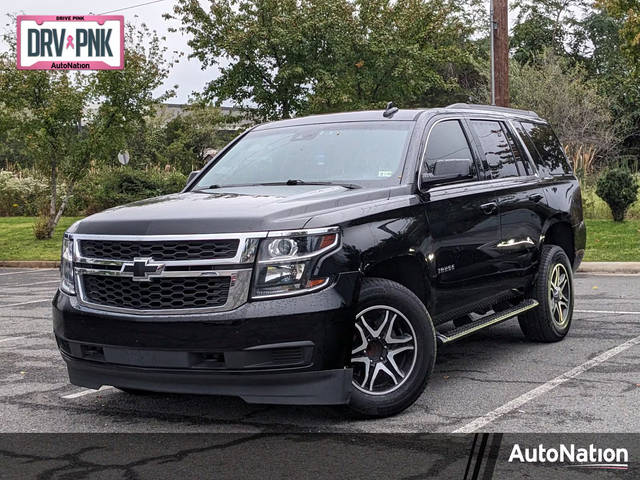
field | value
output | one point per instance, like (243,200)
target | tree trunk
(54,190)
(55,212)
(60,211)
(50,225)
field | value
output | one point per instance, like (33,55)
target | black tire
(412,326)
(542,323)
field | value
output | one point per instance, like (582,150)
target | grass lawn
(606,240)
(609,241)
(18,243)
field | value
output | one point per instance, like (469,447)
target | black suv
(323,260)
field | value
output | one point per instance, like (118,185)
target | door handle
(489,208)
(536,197)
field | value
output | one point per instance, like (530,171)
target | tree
(300,56)
(628,11)
(572,103)
(622,78)
(542,25)
(192,134)
(68,120)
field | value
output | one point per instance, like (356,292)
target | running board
(484,322)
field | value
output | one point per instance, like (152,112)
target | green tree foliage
(190,136)
(298,56)
(628,12)
(64,121)
(543,25)
(564,95)
(616,51)
(619,189)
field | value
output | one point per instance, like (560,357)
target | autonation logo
(578,457)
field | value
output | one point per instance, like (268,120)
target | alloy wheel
(384,352)
(559,294)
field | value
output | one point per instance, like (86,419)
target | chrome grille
(160,251)
(158,294)
(164,274)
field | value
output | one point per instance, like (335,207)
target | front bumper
(324,387)
(286,351)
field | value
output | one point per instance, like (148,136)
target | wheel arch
(558,231)
(407,270)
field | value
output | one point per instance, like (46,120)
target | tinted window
(368,152)
(524,166)
(498,161)
(551,158)
(447,148)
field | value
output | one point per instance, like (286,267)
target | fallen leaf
(445,376)
(595,287)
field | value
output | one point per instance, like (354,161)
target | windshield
(355,152)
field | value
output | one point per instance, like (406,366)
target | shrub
(41,228)
(116,186)
(21,195)
(619,189)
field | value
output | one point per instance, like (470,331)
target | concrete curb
(29,263)
(610,267)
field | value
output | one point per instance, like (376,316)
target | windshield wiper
(350,186)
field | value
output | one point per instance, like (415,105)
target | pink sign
(70,42)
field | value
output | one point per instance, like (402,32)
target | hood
(228,210)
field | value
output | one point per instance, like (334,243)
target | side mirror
(449,171)
(192,175)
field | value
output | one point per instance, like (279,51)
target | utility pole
(499,16)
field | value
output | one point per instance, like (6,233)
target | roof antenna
(390,110)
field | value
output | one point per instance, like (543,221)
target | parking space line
(508,407)
(7,339)
(608,312)
(25,303)
(87,391)
(35,270)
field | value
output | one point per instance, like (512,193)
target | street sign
(123,157)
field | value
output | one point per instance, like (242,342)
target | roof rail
(493,108)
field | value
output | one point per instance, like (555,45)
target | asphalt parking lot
(494,381)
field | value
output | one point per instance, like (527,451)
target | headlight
(286,262)
(67,284)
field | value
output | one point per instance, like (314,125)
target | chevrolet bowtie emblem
(143,269)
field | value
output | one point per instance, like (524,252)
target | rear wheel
(394,349)
(553,289)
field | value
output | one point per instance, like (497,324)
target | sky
(186,74)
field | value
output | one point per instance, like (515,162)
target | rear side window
(498,160)
(524,166)
(447,146)
(545,148)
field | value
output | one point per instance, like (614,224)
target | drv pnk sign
(67,42)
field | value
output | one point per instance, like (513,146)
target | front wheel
(394,349)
